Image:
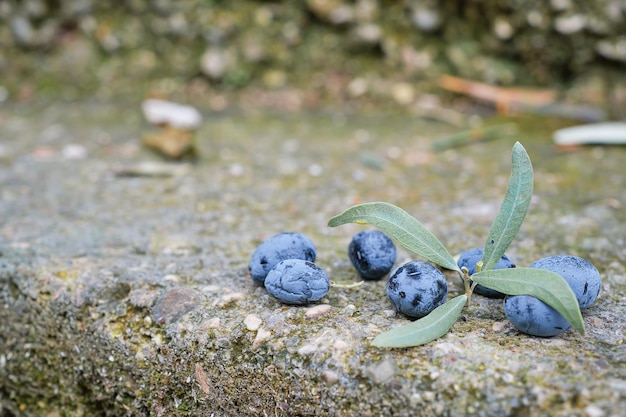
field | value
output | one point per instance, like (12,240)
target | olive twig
(353,285)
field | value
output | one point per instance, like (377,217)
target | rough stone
(127,295)
(173,304)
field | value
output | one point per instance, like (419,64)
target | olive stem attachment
(467,283)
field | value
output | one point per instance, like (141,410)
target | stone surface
(129,294)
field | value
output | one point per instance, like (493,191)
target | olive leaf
(402,227)
(513,209)
(426,329)
(545,285)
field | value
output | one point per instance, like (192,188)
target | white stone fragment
(229,299)
(594,411)
(330,377)
(216,62)
(357,87)
(503,28)
(535,18)
(382,371)
(446,348)
(403,93)
(74,151)
(317,311)
(426,19)
(213,323)
(315,170)
(252,322)
(508,377)
(570,24)
(368,33)
(340,345)
(261,336)
(614,49)
(560,5)
(173,114)
(499,326)
(307,350)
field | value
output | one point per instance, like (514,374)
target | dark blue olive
(288,245)
(470,258)
(372,253)
(417,288)
(582,277)
(295,281)
(534,317)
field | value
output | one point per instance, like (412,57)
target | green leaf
(513,209)
(545,285)
(426,329)
(402,227)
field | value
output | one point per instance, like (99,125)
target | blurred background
(308,54)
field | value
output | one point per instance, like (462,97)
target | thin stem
(466,282)
(353,285)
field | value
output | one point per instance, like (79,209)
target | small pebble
(330,377)
(446,348)
(171,278)
(229,299)
(340,345)
(403,93)
(568,25)
(315,170)
(213,323)
(498,326)
(74,151)
(317,311)
(211,288)
(203,379)
(350,309)
(216,62)
(143,298)
(594,411)
(307,350)
(252,322)
(261,336)
(173,114)
(382,371)
(508,378)
(428,396)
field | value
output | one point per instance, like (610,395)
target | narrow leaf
(402,227)
(545,285)
(513,209)
(426,329)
